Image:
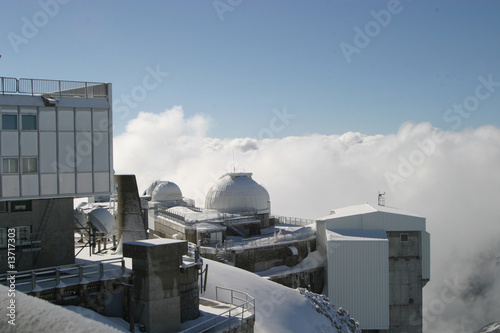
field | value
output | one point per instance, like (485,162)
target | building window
(23,235)
(10,165)
(9,121)
(28,122)
(20,206)
(404,237)
(3,238)
(30,165)
(3,207)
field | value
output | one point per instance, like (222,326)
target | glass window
(3,238)
(3,207)
(20,206)
(10,165)
(9,121)
(23,235)
(30,165)
(28,122)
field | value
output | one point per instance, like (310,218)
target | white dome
(166,191)
(238,192)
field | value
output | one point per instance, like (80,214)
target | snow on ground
(313,260)
(116,322)
(490,328)
(278,308)
(36,315)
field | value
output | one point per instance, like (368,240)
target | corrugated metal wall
(358,280)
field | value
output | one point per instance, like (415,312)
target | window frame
(29,171)
(4,122)
(3,237)
(26,203)
(25,116)
(8,171)
(25,231)
(404,235)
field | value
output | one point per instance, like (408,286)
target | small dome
(238,192)
(166,191)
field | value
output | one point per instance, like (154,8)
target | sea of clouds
(450,177)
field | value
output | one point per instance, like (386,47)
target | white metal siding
(358,280)
(73,144)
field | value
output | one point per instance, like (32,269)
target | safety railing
(243,309)
(8,85)
(274,239)
(53,88)
(293,220)
(68,275)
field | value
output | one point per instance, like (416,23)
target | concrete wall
(169,229)
(262,258)
(312,279)
(405,282)
(56,236)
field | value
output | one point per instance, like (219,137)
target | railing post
(101,270)
(58,276)
(33,280)
(80,274)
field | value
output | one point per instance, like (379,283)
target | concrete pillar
(130,219)
(156,265)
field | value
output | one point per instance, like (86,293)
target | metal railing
(293,220)
(53,88)
(68,275)
(271,240)
(243,309)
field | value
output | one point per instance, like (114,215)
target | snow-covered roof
(356,235)
(166,191)
(366,209)
(372,217)
(237,192)
(207,227)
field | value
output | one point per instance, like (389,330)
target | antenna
(234,163)
(381,198)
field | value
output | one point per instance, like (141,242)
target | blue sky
(240,62)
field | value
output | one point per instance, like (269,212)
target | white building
(378,261)
(55,144)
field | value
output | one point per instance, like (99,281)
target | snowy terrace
(87,269)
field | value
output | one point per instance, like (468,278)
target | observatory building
(378,261)
(55,145)
(236,204)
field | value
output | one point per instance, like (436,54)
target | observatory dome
(166,191)
(238,192)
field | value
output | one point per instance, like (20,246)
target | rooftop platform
(53,88)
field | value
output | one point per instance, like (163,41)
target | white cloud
(449,177)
